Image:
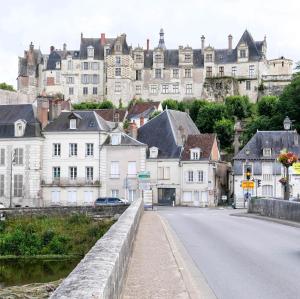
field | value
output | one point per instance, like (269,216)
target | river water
(24,271)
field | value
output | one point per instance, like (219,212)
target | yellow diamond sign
(247,184)
(296,168)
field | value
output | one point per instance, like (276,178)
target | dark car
(103,201)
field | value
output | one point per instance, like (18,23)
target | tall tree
(225,131)
(267,106)
(238,106)
(5,86)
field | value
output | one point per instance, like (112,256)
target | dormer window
(73,124)
(116,117)
(153,152)
(118,48)
(243,53)
(90,51)
(267,152)
(20,126)
(115,138)
(195,153)
(187,57)
(57,66)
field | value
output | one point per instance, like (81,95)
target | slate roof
(11,113)
(126,140)
(90,121)
(25,69)
(203,141)
(108,114)
(166,131)
(276,140)
(53,58)
(142,109)
(96,43)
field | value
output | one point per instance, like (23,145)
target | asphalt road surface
(239,257)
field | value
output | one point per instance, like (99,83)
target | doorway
(166,196)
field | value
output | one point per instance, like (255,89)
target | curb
(195,282)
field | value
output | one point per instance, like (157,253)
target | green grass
(50,236)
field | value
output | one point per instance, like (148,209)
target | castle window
(248,85)
(187,57)
(138,89)
(118,60)
(221,71)
(189,88)
(118,71)
(70,80)
(85,90)
(209,71)
(158,73)
(282,63)
(138,57)
(153,89)
(175,73)
(187,73)
(118,87)
(90,51)
(71,91)
(158,58)
(165,88)
(85,65)
(251,71)
(70,64)
(118,48)
(208,58)
(233,71)
(242,53)
(138,75)
(176,88)
(95,90)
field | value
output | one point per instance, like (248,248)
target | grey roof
(126,140)
(96,43)
(26,69)
(53,58)
(9,114)
(276,140)
(166,131)
(90,121)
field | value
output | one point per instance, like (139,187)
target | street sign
(296,167)
(247,184)
(144,175)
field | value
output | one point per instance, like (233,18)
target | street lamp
(12,162)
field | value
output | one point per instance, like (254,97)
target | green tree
(289,102)
(208,115)
(195,107)
(106,105)
(153,114)
(238,106)
(267,106)
(5,86)
(225,131)
(171,104)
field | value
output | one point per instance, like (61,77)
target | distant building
(20,156)
(107,68)
(260,155)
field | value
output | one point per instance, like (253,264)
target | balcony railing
(277,78)
(78,182)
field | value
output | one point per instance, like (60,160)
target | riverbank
(32,291)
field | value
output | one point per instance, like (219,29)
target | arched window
(20,126)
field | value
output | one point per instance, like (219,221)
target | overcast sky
(54,22)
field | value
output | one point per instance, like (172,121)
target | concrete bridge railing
(102,271)
(281,209)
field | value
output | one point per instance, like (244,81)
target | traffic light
(258,183)
(248,173)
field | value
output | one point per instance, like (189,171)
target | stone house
(260,155)
(20,156)
(182,162)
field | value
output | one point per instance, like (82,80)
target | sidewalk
(153,270)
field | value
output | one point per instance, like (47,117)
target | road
(239,257)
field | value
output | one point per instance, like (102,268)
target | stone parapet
(102,272)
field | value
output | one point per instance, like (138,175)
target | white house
(20,156)
(260,156)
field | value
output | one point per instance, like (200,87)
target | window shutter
(196,176)
(2,156)
(186,175)
(167,173)
(160,173)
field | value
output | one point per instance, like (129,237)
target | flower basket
(283,181)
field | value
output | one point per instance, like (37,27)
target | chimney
(148,42)
(103,40)
(229,42)
(31,47)
(51,49)
(81,35)
(55,107)
(202,42)
(42,111)
(65,47)
(133,131)
(142,121)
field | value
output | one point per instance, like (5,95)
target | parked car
(103,201)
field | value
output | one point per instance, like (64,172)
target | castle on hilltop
(107,68)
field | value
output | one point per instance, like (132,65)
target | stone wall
(102,272)
(12,97)
(101,211)
(275,208)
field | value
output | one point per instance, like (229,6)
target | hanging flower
(287,159)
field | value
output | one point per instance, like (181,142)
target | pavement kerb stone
(195,282)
